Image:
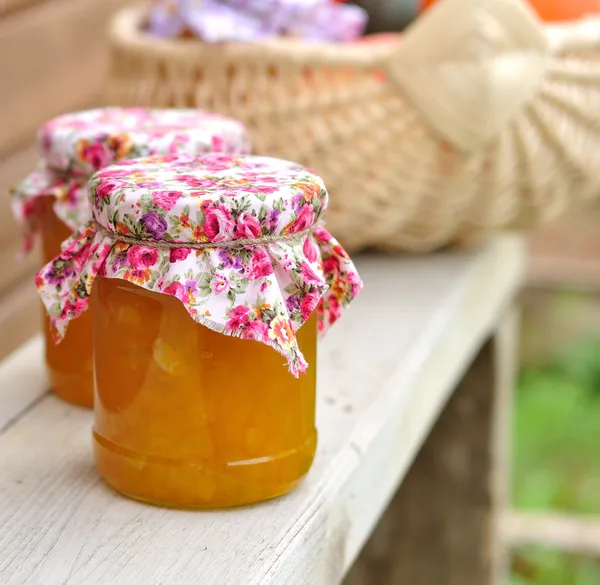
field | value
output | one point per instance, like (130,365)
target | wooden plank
(571,534)
(385,372)
(20,313)
(8,6)
(58,58)
(563,272)
(566,253)
(459,522)
(573,235)
(554,322)
(20,316)
(506,355)
(13,268)
(24,385)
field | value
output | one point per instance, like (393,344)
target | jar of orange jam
(206,274)
(54,200)
(69,365)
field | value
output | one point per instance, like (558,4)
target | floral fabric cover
(76,145)
(261,263)
(254,20)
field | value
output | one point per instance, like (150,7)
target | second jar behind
(53,201)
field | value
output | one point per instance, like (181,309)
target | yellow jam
(188,417)
(69,363)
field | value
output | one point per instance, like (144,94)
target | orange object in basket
(314,80)
(384,37)
(553,10)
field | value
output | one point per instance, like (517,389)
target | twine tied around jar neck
(229,244)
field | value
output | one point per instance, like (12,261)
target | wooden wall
(53,59)
(567,253)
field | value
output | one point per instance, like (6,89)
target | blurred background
(53,59)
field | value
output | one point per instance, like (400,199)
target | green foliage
(552,568)
(557,456)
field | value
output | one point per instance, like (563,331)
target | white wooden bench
(430,339)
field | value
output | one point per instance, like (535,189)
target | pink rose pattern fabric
(263,291)
(76,145)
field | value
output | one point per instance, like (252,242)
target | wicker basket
(449,135)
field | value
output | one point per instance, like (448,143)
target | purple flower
(272,220)
(191,287)
(59,271)
(154,224)
(120,260)
(229,261)
(292,303)
(298,201)
(164,21)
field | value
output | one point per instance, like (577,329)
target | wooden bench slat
(20,316)
(385,372)
(24,384)
(571,534)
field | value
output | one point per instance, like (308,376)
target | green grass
(551,568)
(557,457)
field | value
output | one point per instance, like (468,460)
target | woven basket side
(395,181)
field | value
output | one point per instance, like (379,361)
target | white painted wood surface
(385,372)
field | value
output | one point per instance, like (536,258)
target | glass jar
(207,274)
(69,364)
(189,417)
(54,199)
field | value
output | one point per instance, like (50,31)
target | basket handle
(468,66)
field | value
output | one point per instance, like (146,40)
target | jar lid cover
(84,142)
(235,239)
(75,145)
(214,199)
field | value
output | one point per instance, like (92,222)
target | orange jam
(188,417)
(553,10)
(69,363)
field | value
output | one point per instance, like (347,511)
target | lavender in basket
(253,20)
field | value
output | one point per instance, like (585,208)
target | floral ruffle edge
(71,201)
(263,292)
